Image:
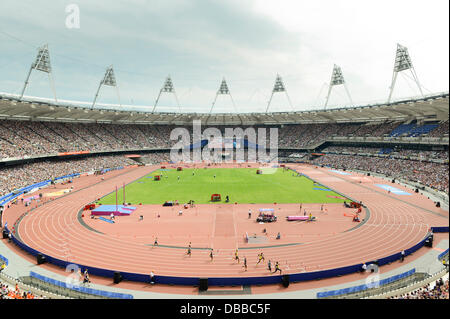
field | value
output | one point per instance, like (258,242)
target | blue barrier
(5,196)
(81,289)
(4,259)
(441,255)
(67,176)
(440,229)
(10,197)
(360,288)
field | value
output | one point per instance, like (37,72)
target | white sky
(246,41)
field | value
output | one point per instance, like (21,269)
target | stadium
(113,201)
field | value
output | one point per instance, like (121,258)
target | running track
(396,223)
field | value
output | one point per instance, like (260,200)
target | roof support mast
(337,78)
(168,88)
(278,87)
(41,63)
(223,90)
(402,63)
(110,80)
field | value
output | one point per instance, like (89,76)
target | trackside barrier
(67,176)
(441,255)
(4,259)
(11,196)
(440,229)
(355,289)
(90,291)
(2,198)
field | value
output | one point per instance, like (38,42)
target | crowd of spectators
(155,158)
(435,290)
(434,175)
(441,130)
(376,130)
(438,155)
(411,153)
(296,136)
(26,138)
(16,177)
(301,135)
(7,292)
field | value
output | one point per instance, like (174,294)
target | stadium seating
(19,139)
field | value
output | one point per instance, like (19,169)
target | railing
(70,290)
(402,283)
(27,287)
(5,260)
(363,288)
(411,287)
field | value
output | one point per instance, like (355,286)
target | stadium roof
(433,107)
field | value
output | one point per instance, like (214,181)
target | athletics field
(242,185)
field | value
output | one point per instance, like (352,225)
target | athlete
(236,256)
(277,268)
(189,251)
(260,258)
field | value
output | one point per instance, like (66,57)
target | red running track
(396,223)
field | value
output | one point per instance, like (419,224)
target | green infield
(242,185)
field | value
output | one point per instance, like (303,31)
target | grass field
(242,185)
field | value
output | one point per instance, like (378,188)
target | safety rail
(364,287)
(71,290)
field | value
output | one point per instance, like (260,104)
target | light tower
(337,78)
(223,90)
(41,63)
(402,63)
(278,87)
(110,80)
(167,88)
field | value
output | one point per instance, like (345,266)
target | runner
(236,256)
(189,250)
(277,268)
(260,258)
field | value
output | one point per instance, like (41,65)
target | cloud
(247,42)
